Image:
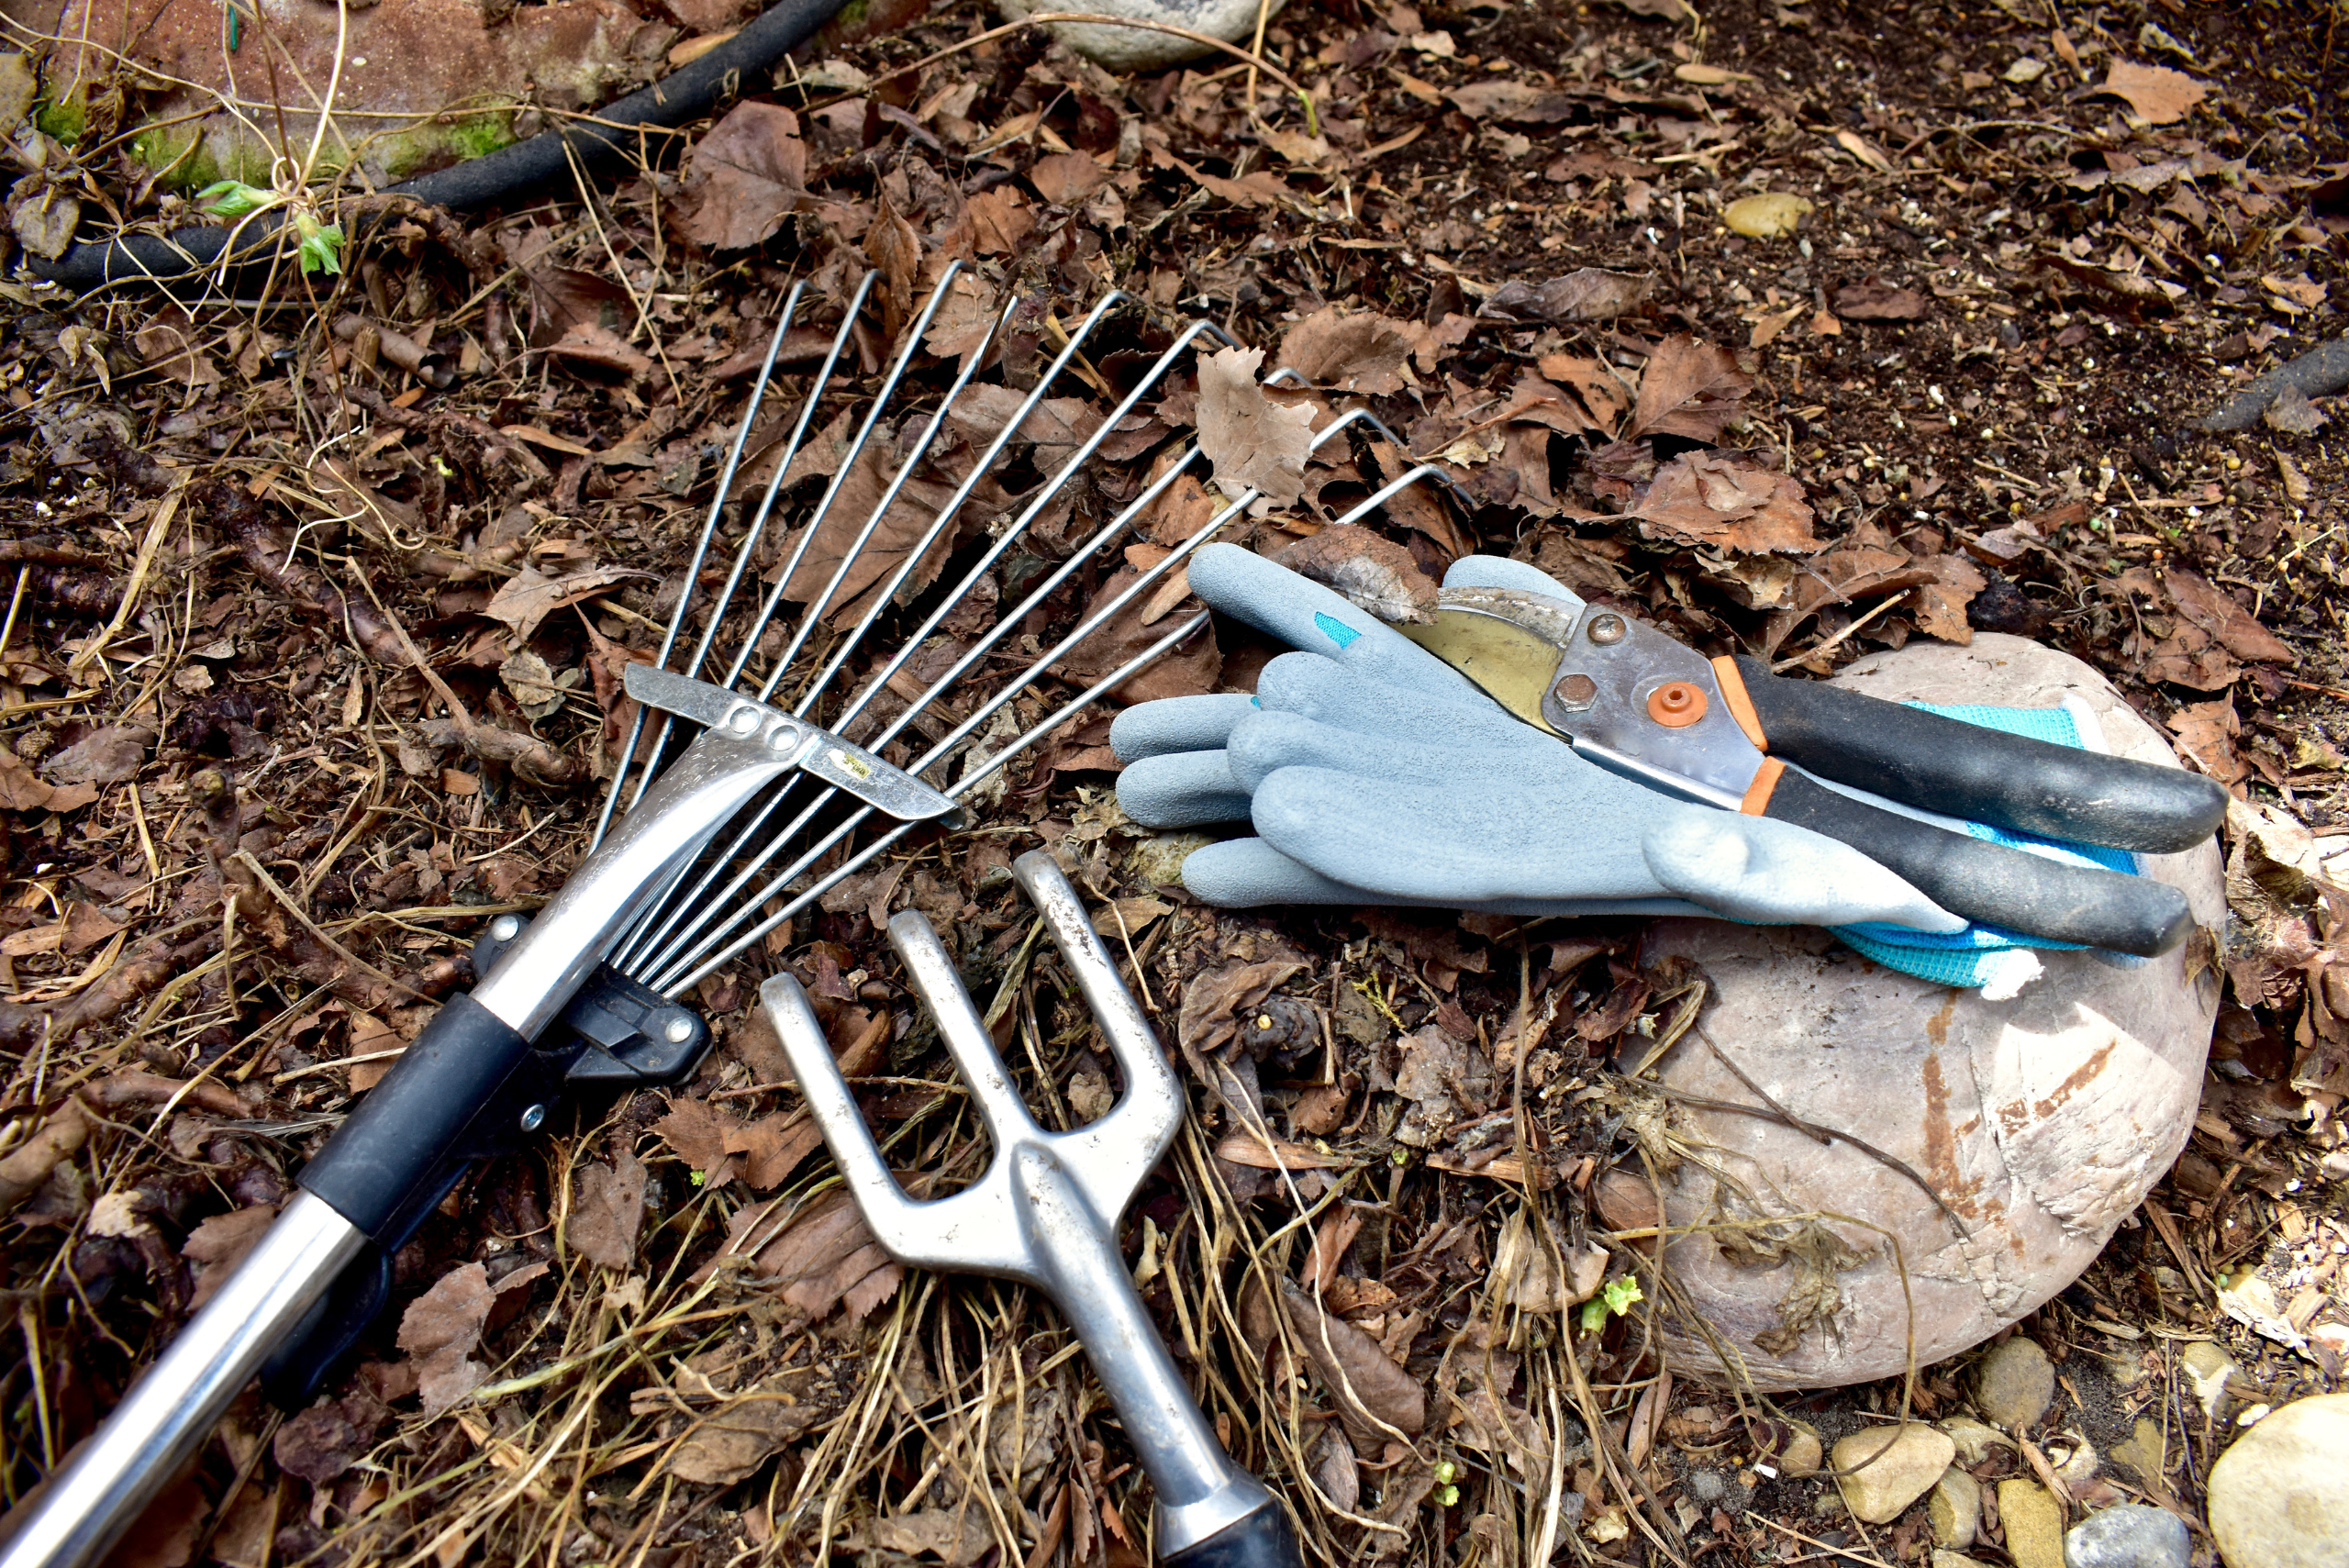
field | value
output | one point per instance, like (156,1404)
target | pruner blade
(843,764)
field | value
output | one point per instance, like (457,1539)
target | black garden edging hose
(683,94)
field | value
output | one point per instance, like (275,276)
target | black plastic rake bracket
(617,1035)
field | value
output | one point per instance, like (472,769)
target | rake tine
(815,523)
(962,787)
(648,936)
(693,570)
(821,603)
(726,912)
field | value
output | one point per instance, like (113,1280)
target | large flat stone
(2041,1121)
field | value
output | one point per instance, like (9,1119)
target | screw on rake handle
(1046,1212)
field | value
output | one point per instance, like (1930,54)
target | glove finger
(1462,841)
(1312,620)
(1177,724)
(1499,571)
(1266,741)
(1323,690)
(1240,874)
(1775,873)
(1182,789)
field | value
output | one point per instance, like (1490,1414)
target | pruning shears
(1727,732)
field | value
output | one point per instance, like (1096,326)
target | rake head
(931,515)
(1046,1211)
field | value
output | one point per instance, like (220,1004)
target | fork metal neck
(1200,1490)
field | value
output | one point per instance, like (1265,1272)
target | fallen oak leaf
(1727,500)
(1875,299)
(1360,353)
(1688,389)
(1250,441)
(1587,294)
(2216,612)
(1375,1398)
(440,1329)
(606,1212)
(1373,572)
(2156,95)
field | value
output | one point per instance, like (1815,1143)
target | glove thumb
(1768,872)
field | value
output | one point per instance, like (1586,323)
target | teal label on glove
(1334,630)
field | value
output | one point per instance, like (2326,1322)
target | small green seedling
(1614,1299)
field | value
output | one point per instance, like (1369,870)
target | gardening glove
(1376,773)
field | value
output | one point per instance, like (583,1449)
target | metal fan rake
(772,757)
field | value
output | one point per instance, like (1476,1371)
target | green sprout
(1614,1299)
(233,198)
(321,243)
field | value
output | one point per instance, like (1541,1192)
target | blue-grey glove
(1376,773)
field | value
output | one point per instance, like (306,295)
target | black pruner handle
(1258,1539)
(1964,770)
(1985,882)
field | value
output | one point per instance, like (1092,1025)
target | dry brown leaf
(108,756)
(2158,95)
(439,1331)
(529,596)
(1186,671)
(592,343)
(1258,188)
(957,1536)
(703,1136)
(1000,220)
(20,788)
(1360,353)
(1603,391)
(894,251)
(1873,299)
(899,531)
(1064,179)
(2293,414)
(964,321)
(773,1146)
(1373,572)
(826,1256)
(1372,1394)
(1726,500)
(321,1442)
(745,177)
(606,1212)
(221,1243)
(1587,294)
(726,1444)
(1941,602)
(2206,733)
(1688,389)
(2216,612)
(1252,441)
(1866,152)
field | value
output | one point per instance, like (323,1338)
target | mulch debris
(318,604)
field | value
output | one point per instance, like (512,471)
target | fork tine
(930,969)
(1145,1118)
(966,1230)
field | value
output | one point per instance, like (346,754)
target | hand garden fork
(1046,1213)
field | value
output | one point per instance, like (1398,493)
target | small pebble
(1706,1486)
(2128,1535)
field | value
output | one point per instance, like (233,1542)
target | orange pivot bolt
(1676,705)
